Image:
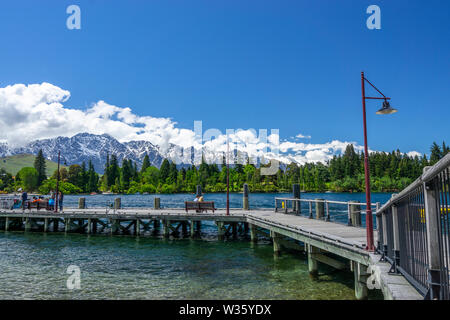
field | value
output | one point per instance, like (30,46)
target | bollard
(82,203)
(319,209)
(296,195)
(245,200)
(157,203)
(355,214)
(117,203)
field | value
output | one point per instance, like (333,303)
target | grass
(13,164)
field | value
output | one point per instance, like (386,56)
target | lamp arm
(384,97)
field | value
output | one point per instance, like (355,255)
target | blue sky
(290,65)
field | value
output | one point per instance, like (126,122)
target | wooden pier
(333,244)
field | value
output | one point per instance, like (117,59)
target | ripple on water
(34,267)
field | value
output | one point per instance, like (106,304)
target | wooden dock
(337,245)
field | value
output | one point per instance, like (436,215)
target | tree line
(389,172)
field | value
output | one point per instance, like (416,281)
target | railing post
(433,241)
(377,217)
(327,209)
(395,228)
(355,214)
(385,246)
(349,215)
(157,203)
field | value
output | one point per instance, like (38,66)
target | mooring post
(6,224)
(253,234)
(310,210)
(319,209)
(157,203)
(45,224)
(220,230)
(360,272)
(355,214)
(82,203)
(117,203)
(245,199)
(276,243)
(296,195)
(313,266)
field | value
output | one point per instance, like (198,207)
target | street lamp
(385,109)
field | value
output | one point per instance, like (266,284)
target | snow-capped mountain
(85,147)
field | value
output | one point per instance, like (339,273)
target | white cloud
(414,153)
(38,111)
(301,136)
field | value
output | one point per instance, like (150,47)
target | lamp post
(385,109)
(228,179)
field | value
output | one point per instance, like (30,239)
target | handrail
(326,201)
(429,174)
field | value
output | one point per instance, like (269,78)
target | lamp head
(386,108)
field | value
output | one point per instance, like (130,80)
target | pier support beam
(360,272)
(114,226)
(45,224)
(276,243)
(55,225)
(27,224)
(220,230)
(6,224)
(313,266)
(192,228)
(137,227)
(166,230)
(184,228)
(67,225)
(253,234)
(89,226)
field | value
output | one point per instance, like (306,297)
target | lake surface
(34,265)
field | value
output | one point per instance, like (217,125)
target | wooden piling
(192,228)
(45,224)
(276,242)
(220,230)
(6,224)
(67,225)
(89,226)
(166,230)
(313,266)
(27,224)
(253,234)
(355,214)
(137,227)
(55,225)
(360,273)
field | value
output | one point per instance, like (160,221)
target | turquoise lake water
(34,265)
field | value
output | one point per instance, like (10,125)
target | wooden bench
(43,204)
(199,206)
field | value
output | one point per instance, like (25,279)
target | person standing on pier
(24,199)
(60,201)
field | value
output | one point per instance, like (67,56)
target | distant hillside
(13,164)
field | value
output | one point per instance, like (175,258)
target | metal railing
(348,213)
(413,230)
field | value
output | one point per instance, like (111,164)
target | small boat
(93,193)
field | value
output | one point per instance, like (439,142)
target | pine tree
(145,163)
(40,166)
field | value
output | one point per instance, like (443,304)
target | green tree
(28,178)
(40,166)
